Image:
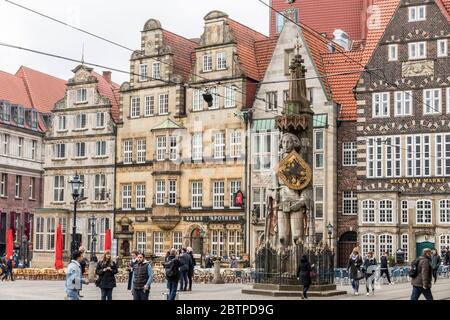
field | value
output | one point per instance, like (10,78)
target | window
(127,151)
(173,148)
(83,186)
(161,146)
(5,111)
(417,50)
(92,227)
(259,202)
(418,155)
(100,187)
(404,212)
(350,203)
(385,244)
(5,144)
(172,192)
(423,212)
(432,101)
(140,197)
(235,144)
(104,224)
(177,240)
(350,154)
(404,245)
(381,104)
(393,157)
(217,243)
(218,194)
(368,207)
(39,246)
(443,154)
(81,95)
(234,242)
(444,241)
(80,149)
(318,202)
(197,100)
(135,107)
(215,96)
(100,120)
(262,147)
(285,95)
(158,243)
(62,123)
(126,197)
(34,119)
(143,72)
(4,185)
(20,148)
(368,244)
(393,52)
(156,70)
(235,186)
(271,101)
(280,20)
(31,187)
(58,189)
(221,61)
(219,145)
(149,106)
(164,104)
(444,211)
(197,146)
(100,148)
(319,149)
(50,234)
(141,150)
(160,191)
(207,63)
(197,195)
(18,187)
(417,13)
(386,215)
(403,103)
(33,149)
(230,97)
(141,241)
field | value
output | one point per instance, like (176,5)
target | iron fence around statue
(280,267)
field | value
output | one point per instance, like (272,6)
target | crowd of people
(7,265)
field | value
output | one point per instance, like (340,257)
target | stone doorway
(347,242)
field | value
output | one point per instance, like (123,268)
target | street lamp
(330,232)
(94,238)
(76,184)
(202,235)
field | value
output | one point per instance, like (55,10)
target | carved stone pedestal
(217,277)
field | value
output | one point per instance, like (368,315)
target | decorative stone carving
(418,68)
(152,24)
(166,222)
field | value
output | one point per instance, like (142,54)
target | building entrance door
(345,247)
(422,245)
(196,242)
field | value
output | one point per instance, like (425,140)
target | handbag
(97,281)
(359,274)
(312,274)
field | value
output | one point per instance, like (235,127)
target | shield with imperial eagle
(294,171)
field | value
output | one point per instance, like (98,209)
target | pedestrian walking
(84,263)
(304,274)
(233,262)
(354,268)
(106,271)
(172,268)
(447,256)
(435,263)
(421,273)
(185,262)
(384,267)
(74,277)
(369,268)
(130,267)
(191,268)
(3,268)
(7,268)
(142,278)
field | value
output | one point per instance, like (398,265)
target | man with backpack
(421,273)
(172,274)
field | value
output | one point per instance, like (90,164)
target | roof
(111,91)
(43,90)
(246,39)
(444,5)
(258,125)
(13,89)
(167,124)
(263,52)
(326,15)
(342,85)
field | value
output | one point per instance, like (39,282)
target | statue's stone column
(217,277)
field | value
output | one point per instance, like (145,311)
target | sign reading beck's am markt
(418,180)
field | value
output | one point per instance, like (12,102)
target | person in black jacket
(369,267)
(304,274)
(354,265)
(130,267)
(172,274)
(384,268)
(185,262)
(191,268)
(106,270)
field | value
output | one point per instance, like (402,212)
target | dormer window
(143,72)
(156,71)
(207,63)
(221,61)
(5,111)
(34,119)
(417,13)
(81,95)
(20,115)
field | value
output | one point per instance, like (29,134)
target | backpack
(172,271)
(413,271)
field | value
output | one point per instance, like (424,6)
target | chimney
(107,76)
(342,39)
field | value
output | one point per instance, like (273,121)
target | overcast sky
(120,21)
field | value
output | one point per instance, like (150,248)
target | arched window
(386,215)
(444,211)
(368,207)
(368,244)
(385,244)
(423,212)
(444,241)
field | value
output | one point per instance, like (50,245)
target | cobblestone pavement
(54,290)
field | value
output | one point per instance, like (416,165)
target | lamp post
(330,232)
(202,235)
(76,184)
(94,238)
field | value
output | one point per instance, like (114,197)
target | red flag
(9,243)
(108,240)
(59,249)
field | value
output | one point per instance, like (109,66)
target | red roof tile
(444,5)
(12,89)
(263,51)
(111,91)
